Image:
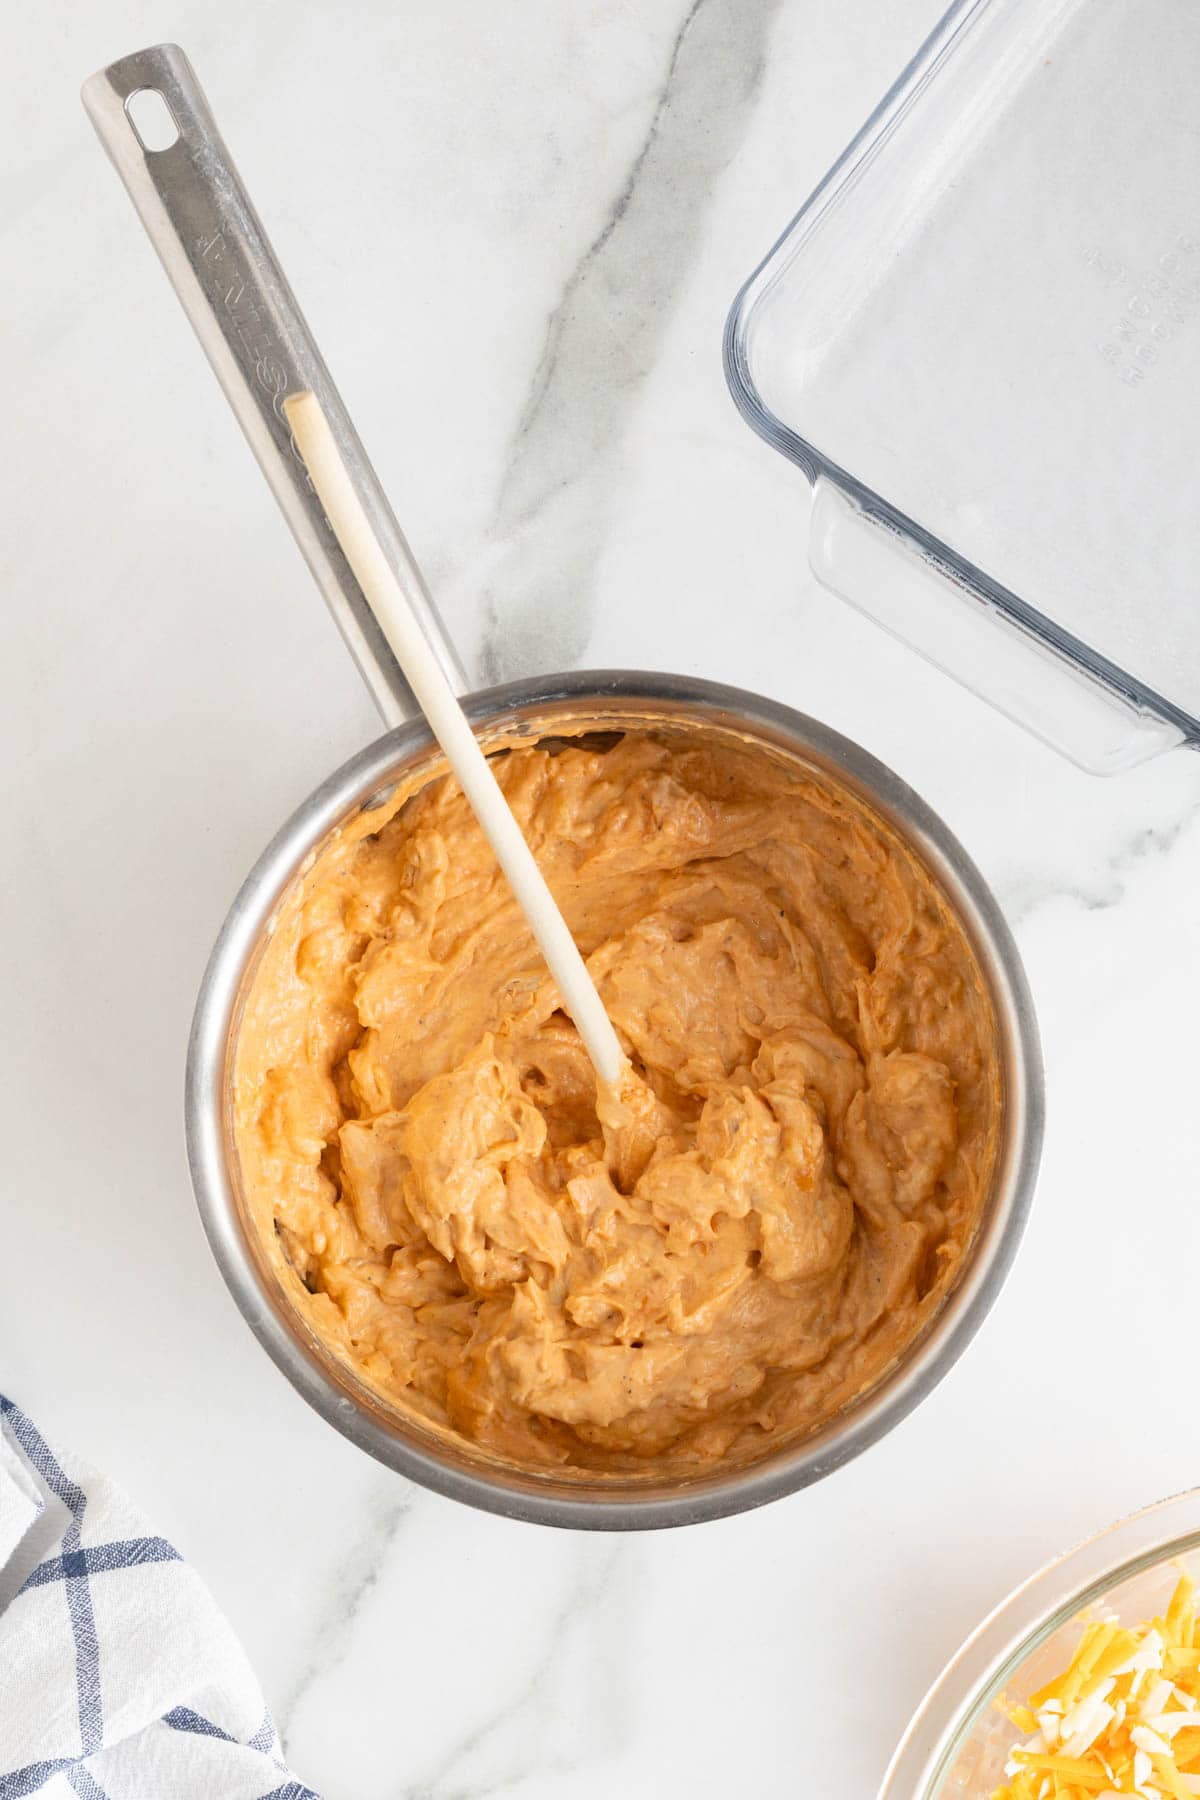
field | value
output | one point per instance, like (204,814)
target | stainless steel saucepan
(217,256)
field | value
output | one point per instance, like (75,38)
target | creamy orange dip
(417,1128)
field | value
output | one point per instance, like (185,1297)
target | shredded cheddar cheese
(1122,1718)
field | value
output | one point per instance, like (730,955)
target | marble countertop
(516,233)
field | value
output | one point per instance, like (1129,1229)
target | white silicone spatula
(387,600)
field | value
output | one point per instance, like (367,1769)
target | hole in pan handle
(152,119)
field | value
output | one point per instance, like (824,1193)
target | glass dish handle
(967,634)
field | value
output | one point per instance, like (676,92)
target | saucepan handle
(220,263)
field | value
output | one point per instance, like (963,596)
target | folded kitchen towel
(119,1678)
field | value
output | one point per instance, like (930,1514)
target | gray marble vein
(1107,886)
(351,1583)
(507,1737)
(554,506)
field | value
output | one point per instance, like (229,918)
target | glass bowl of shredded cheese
(1083,1685)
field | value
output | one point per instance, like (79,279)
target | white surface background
(516,232)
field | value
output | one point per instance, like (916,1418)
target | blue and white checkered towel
(119,1678)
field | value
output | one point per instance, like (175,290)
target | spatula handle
(218,259)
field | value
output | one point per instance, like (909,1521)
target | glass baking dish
(979,339)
